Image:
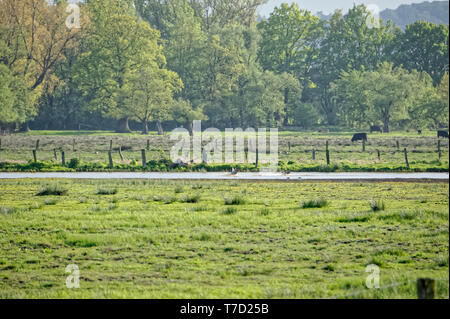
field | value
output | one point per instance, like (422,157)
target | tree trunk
(160,128)
(25,127)
(145,130)
(191,129)
(123,126)
(386,125)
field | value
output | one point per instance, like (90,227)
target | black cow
(442,134)
(375,128)
(419,132)
(359,137)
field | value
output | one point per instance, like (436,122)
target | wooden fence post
(327,154)
(363,145)
(34,156)
(73,145)
(0,143)
(313,154)
(439,149)
(289,146)
(63,158)
(204,156)
(379,155)
(398,145)
(120,153)
(54,154)
(148,145)
(37,145)
(257,157)
(111,164)
(110,145)
(426,288)
(144,161)
(406,157)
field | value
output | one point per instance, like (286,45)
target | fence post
(73,145)
(363,145)
(144,161)
(54,154)
(426,288)
(148,145)
(63,158)
(0,143)
(379,155)
(289,146)
(120,152)
(111,164)
(34,156)
(110,145)
(327,154)
(439,149)
(257,157)
(406,157)
(398,145)
(313,154)
(204,156)
(37,145)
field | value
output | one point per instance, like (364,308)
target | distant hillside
(436,12)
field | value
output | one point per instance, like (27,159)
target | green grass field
(161,239)
(90,148)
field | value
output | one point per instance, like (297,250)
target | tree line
(166,63)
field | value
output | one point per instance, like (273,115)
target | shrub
(314,203)
(376,205)
(52,190)
(236,200)
(106,191)
(73,163)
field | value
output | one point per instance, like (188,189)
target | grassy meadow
(209,239)
(89,152)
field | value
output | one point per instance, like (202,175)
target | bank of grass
(134,245)
(165,165)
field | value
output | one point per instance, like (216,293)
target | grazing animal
(359,137)
(442,134)
(375,128)
(419,132)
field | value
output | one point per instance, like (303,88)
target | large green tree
(423,46)
(115,49)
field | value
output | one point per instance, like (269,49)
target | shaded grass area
(132,244)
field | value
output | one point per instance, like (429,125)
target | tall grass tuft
(314,203)
(106,191)
(229,211)
(377,205)
(191,198)
(52,190)
(236,200)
